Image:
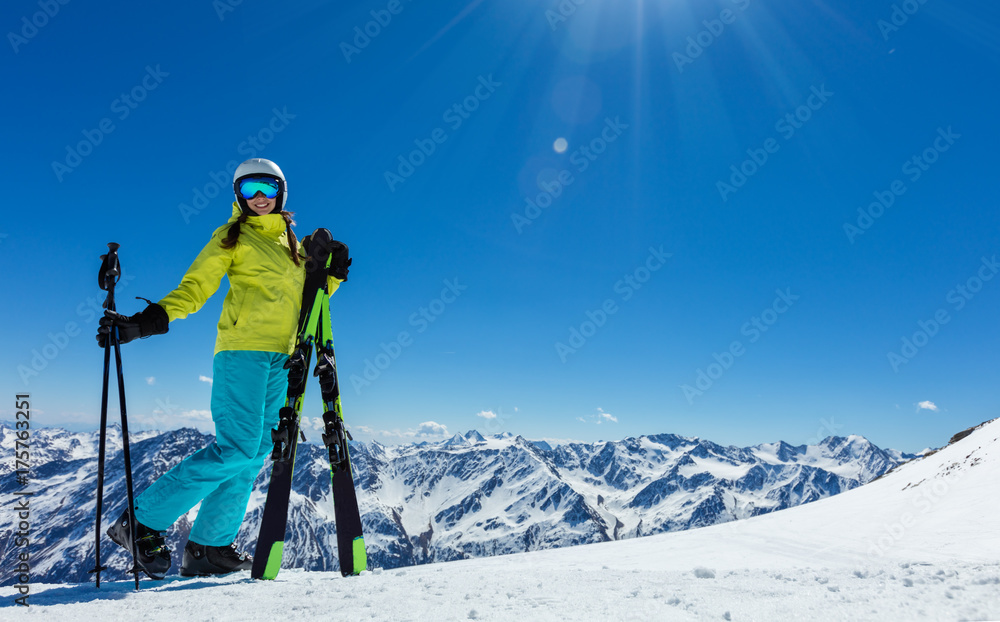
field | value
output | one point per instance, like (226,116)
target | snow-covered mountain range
(921,543)
(467,496)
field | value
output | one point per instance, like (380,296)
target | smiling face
(255,190)
(261,205)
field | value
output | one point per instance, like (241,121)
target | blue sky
(724,219)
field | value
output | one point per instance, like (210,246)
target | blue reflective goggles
(250,186)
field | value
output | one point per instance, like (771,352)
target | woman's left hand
(339,260)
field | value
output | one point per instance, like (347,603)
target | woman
(259,253)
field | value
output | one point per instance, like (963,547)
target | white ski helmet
(260,166)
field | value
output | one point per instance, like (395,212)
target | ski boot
(206,561)
(152,555)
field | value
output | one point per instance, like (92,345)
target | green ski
(314,332)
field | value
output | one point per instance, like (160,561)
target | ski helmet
(260,166)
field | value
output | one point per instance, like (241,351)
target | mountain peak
(456,441)
(474,436)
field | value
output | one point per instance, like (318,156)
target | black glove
(152,320)
(339,260)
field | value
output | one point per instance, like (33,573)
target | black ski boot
(205,561)
(152,555)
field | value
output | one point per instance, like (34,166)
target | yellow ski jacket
(261,310)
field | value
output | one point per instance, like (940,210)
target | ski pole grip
(110,267)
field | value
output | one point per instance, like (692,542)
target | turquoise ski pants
(248,390)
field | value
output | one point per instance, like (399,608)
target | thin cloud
(151,380)
(927,405)
(487,414)
(196,415)
(431,428)
(427,431)
(599,418)
(174,418)
(205,379)
(556,442)
(314,423)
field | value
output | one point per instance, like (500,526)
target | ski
(314,332)
(350,538)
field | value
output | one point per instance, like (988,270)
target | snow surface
(921,543)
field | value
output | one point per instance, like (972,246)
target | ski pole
(127,459)
(107,278)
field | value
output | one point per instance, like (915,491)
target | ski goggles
(248,187)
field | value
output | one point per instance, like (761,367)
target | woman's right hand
(153,320)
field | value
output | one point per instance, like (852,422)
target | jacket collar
(270,225)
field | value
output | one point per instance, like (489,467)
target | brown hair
(234,233)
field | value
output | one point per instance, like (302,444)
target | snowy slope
(923,542)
